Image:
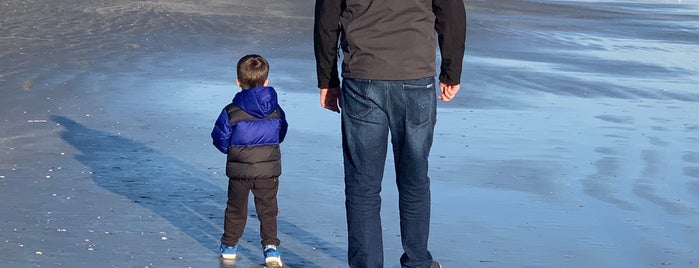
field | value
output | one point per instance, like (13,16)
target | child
(249,131)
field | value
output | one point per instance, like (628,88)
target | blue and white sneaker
(228,252)
(272,258)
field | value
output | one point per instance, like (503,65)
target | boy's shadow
(170,188)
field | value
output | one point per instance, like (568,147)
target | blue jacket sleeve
(284,125)
(221,134)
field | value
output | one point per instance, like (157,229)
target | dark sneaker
(435,264)
(272,258)
(228,252)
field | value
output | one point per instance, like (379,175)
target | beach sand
(574,141)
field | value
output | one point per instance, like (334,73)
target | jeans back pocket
(420,101)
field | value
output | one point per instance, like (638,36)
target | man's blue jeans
(370,110)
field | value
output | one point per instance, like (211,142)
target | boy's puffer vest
(252,157)
(249,131)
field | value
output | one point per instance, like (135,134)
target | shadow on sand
(172,189)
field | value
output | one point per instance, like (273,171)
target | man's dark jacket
(389,39)
(249,131)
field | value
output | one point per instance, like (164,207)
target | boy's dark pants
(265,196)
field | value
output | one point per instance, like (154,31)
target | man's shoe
(228,252)
(272,258)
(435,264)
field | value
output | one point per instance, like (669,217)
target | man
(388,69)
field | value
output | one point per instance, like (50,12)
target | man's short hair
(252,70)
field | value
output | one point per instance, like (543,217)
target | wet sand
(573,143)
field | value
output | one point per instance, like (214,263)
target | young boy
(249,131)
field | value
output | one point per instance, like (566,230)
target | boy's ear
(266,82)
(237,81)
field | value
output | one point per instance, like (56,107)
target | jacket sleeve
(451,33)
(326,32)
(221,134)
(284,126)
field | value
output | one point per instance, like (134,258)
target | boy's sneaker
(436,264)
(228,252)
(272,258)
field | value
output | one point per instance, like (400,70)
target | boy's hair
(252,71)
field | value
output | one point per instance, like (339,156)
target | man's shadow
(170,188)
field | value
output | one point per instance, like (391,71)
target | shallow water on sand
(574,141)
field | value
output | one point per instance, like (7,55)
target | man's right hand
(330,99)
(448,91)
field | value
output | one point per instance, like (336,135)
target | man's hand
(448,91)
(330,99)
